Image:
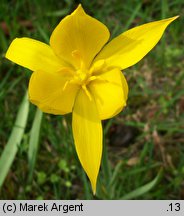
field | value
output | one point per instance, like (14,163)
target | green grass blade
(58,13)
(14,141)
(143,189)
(116,172)
(34,142)
(63,12)
(87,187)
(133,15)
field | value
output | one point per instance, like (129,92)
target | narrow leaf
(143,189)
(34,141)
(14,141)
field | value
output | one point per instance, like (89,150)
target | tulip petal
(110,92)
(48,92)
(87,132)
(33,55)
(78,38)
(131,46)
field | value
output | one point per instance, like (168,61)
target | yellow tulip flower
(80,72)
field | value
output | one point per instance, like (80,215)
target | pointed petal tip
(173,18)
(169,20)
(177,16)
(93,186)
(94,191)
(79,10)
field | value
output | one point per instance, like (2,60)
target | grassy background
(145,139)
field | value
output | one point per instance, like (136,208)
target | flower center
(82,77)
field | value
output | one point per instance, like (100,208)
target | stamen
(66,84)
(87,92)
(72,81)
(92,78)
(76,54)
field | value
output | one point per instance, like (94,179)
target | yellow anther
(72,81)
(76,54)
(66,84)
(92,78)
